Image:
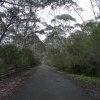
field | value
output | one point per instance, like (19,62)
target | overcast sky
(47,14)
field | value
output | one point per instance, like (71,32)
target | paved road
(47,84)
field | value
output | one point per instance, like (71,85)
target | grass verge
(86,78)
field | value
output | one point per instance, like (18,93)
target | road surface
(47,84)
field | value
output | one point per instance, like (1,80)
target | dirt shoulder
(8,85)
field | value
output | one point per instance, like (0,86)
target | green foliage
(80,54)
(81,47)
(9,53)
(58,61)
(30,56)
(12,59)
(89,79)
(95,47)
(65,17)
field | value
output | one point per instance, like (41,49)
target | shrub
(9,53)
(21,63)
(26,52)
(13,59)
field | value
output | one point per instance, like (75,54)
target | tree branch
(11,3)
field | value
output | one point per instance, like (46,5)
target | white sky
(86,5)
(47,15)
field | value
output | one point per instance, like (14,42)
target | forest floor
(45,83)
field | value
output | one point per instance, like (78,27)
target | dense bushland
(20,25)
(80,53)
(13,59)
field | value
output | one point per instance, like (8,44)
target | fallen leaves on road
(7,85)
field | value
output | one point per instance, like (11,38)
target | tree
(95,48)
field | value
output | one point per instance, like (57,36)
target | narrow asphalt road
(47,84)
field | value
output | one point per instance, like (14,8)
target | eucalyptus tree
(95,48)
(58,32)
(18,22)
(22,15)
(55,42)
(64,22)
(7,19)
(13,15)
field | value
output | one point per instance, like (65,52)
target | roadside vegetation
(20,46)
(14,60)
(70,46)
(88,79)
(79,53)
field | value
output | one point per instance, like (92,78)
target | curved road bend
(46,84)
